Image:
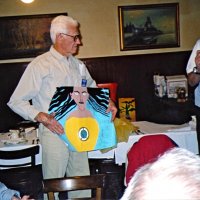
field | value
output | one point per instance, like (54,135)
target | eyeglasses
(75,37)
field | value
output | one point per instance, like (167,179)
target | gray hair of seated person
(173,176)
(60,24)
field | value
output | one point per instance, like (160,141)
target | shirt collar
(56,54)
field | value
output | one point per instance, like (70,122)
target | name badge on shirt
(83,83)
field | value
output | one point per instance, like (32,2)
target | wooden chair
(19,154)
(25,177)
(94,182)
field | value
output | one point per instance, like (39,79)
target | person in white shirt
(55,68)
(193,71)
(193,75)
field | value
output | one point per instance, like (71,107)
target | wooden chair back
(25,177)
(94,182)
(19,154)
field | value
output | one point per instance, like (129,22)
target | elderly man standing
(55,68)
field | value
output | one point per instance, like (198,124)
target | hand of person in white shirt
(50,122)
(197,60)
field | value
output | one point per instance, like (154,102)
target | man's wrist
(112,100)
(37,117)
(41,117)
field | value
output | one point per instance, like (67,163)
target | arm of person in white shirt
(194,61)
(194,78)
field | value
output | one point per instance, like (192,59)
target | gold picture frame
(25,36)
(149,26)
(127,109)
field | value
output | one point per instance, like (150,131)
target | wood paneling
(134,75)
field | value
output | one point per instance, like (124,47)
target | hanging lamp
(27,1)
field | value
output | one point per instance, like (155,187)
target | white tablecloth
(183,135)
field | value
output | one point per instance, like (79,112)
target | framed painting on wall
(127,108)
(149,26)
(25,36)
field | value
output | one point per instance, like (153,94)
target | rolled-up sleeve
(191,62)
(26,90)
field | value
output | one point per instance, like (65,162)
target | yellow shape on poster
(82,133)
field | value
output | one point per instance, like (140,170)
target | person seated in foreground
(9,194)
(174,175)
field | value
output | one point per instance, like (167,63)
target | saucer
(16,141)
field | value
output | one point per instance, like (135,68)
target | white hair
(60,24)
(175,175)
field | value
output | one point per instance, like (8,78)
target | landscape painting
(149,26)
